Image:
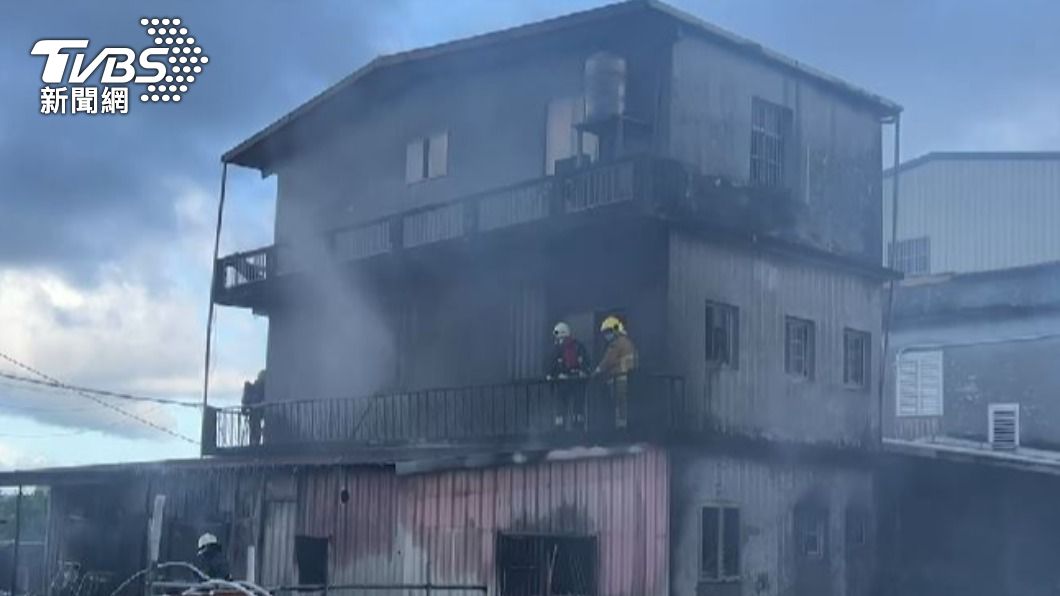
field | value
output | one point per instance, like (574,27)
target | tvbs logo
(167,70)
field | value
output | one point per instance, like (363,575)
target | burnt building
(440,209)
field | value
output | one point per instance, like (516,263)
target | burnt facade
(439,210)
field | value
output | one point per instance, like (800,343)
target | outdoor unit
(1004,421)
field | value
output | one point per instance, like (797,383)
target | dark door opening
(546,565)
(311,557)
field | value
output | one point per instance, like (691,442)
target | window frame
(427,164)
(730,328)
(911,256)
(856,335)
(808,368)
(720,542)
(770,140)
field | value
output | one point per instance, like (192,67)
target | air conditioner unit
(1004,421)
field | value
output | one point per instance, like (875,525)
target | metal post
(213,287)
(18,532)
(890,263)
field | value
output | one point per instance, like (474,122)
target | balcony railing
(641,180)
(640,406)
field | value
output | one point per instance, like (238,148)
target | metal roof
(975,156)
(249,153)
(964,451)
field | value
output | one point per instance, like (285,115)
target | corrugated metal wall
(759,396)
(980,213)
(767,493)
(391,527)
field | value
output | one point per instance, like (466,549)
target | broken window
(543,564)
(857,353)
(799,346)
(857,525)
(919,384)
(427,157)
(770,124)
(719,543)
(911,256)
(722,334)
(561,133)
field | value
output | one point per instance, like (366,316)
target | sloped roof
(936,156)
(249,153)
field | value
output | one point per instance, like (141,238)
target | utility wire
(99,401)
(101,392)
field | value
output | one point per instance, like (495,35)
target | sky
(106,222)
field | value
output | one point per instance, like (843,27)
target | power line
(95,399)
(100,392)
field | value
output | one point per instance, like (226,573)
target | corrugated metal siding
(980,214)
(393,526)
(516,205)
(277,544)
(916,427)
(759,397)
(766,494)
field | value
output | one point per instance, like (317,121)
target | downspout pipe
(213,289)
(889,311)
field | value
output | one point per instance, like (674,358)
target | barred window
(770,125)
(799,347)
(911,256)
(719,549)
(857,353)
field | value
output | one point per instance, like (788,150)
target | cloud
(12,458)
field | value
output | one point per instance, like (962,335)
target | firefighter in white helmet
(211,558)
(569,361)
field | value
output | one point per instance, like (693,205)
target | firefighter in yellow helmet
(619,360)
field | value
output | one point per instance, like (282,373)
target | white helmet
(206,540)
(561,331)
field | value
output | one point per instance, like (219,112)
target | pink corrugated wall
(392,526)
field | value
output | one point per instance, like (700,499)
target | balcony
(520,414)
(642,183)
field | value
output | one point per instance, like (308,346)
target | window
(799,347)
(311,558)
(919,384)
(532,564)
(722,334)
(561,134)
(719,543)
(427,157)
(857,525)
(857,358)
(812,539)
(770,125)
(911,256)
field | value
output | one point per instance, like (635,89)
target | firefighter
(569,360)
(618,361)
(211,558)
(253,399)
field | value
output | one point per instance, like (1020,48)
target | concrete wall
(759,397)
(767,494)
(956,528)
(980,213)
(833,160)
(995,360)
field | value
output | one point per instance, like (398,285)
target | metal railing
(639,405)
(245,268)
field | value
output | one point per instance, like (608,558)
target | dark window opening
(857,355)
(719,543)
(857,527)
(770,126)
(811,530)
(536,565)
(722,334)
(799,347)
(311,557)
(911,256)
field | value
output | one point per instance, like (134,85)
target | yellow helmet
(612,323)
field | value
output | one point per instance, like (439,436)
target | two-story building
(438,211)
